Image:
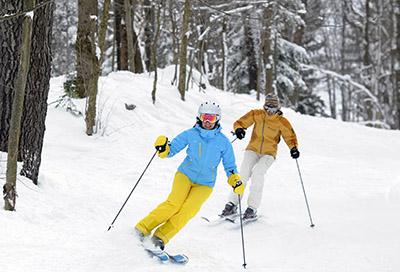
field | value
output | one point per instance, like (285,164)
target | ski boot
(229,210)
(250,214)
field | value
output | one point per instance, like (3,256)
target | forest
(336,59)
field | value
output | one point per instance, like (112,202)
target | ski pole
(241,230)
(234,134)
(132,191)
(305,196)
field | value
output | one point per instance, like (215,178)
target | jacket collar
(208,133)
(273,116)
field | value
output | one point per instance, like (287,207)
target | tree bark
(84,46)
(154,54)
(38,86)
(124,47)
(175,42)
(103,30)
(396,53)
(268,54)
(148,33)
(35,104)
(10,40)
(129,31)
(93,70)
(342,66)
(138,55)
(117,30)
(183,50)
(250,54)
(224,57)
(9,189)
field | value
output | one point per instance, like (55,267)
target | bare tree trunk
(367,58)
(342,67)
(88,65)
(268,56)
(396,9)
(148,33)
(114,47)
(224,57)
(9,189)
(124,46)
(95,67)
(10,40)
(117,30)
(38,86)
(103,30)
(120,35)
(251,54)
(183,50)
(138,55)
(94,70)
(191,62)
(129,31)
(154,54)
(259,77)
(175,43)
(332,96)
(84,46)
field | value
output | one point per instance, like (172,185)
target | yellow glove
(162,146)
(235,181)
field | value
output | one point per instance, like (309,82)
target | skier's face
(270,109)
(207,125)
(208,121)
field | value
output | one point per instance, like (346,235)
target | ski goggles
(212,118)
(271,108)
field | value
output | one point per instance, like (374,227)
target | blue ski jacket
(205,150)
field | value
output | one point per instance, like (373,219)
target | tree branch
(23,13)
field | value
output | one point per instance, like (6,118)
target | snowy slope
(351,175)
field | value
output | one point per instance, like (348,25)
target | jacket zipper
(262,135)
(201,164)
(199,150)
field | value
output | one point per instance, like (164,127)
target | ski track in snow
(350,173)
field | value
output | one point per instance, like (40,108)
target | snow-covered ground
(351,175)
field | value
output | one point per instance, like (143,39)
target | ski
(219,219)
(162,256)
(245,222)
(178,258)
(165,257)
(232,219)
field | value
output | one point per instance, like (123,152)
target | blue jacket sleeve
(228,159)
(178,143)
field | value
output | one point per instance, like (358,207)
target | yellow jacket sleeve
(288,133)
(245,121)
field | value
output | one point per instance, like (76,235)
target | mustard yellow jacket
(267,131)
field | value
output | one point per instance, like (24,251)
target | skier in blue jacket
(195,178)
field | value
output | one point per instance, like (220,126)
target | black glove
(294,152)
(240,133)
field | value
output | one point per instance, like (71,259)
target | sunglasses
(271,108)
(212,118)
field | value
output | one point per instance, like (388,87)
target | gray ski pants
(253,166)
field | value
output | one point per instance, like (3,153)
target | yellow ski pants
(182,204)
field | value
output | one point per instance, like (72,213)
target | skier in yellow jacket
(269,126)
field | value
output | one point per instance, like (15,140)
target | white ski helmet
(211,108)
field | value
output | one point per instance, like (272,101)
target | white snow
(30,14)
(351,175)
